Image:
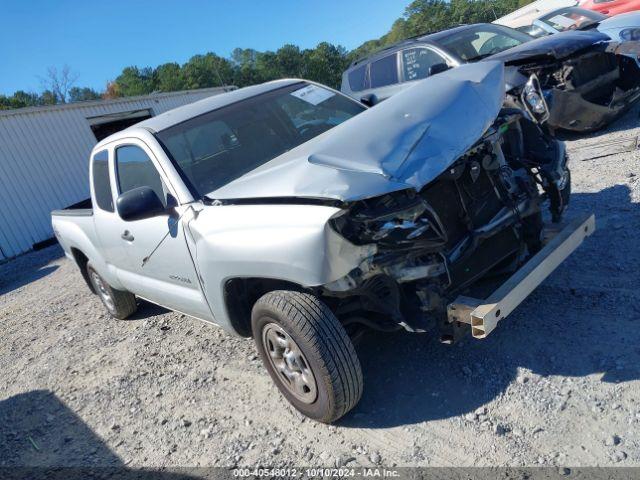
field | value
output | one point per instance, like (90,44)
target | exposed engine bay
(588,89)
(482,216)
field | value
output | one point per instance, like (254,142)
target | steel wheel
(102,291)
(120,304)
(287,359)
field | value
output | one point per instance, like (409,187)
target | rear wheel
(118,303)
(307,353)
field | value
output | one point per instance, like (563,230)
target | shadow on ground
(36,428)
(147,310)
(41,438)
(582,320)
(25,269)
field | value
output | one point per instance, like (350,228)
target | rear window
(571,19)
(101,183)
(384,72)
(358,79)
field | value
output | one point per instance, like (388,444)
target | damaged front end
(587,90)
(481,217)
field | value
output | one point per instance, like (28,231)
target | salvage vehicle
(625,27)
(292,213)
(587,80)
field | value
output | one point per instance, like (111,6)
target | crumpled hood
(404,142)
(559,46)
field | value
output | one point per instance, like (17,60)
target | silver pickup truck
(292,213)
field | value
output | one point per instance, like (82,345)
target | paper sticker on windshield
(562,21)
(313,94)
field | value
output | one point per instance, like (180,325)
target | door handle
(127,236)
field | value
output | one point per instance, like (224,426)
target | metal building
(44,158)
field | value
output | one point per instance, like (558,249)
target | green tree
(245,71)
(135,81)
(23,99)
(78,94)
(325,64)
(289,61)
(48,98)
(208,70)
(169,78)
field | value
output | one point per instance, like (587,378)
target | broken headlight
(395,220)
(533,100)
(629,34)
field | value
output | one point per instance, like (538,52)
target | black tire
(327,352)
(118,303)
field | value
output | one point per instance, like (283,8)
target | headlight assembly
(630,34)
(533,100)
(396,220)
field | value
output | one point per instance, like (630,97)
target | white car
(624,27)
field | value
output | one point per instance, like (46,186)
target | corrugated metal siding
(44,161)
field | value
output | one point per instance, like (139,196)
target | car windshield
(571,18)
(220,146)
(480,41)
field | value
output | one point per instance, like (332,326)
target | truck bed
(80,209)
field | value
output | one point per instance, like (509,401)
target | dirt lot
(557,384)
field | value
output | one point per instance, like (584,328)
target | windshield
(480,41)
(218,147)
(571,18)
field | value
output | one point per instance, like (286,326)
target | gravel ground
(555,384)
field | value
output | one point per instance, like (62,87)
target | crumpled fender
(294,243)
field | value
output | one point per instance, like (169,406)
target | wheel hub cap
(290,364)
(102,291)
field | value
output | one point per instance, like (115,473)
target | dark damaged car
(575,80)
(293,214)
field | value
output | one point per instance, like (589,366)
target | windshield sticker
(563,21)
(313,94)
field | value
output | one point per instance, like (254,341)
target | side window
(135,169)
(417,61)
(358,79)
(489,43)
(384,71)
(101,183)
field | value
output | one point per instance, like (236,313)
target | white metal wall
(44,161)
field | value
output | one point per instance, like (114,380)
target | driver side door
(168,277)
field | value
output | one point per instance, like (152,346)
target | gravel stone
(69,373)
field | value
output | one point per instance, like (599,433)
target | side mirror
(369,99)
(138,204)
(438,68)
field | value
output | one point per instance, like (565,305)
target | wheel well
(240,294)
(82,260)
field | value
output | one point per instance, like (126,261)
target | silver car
(293,214)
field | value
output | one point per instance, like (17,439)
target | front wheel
(307,353)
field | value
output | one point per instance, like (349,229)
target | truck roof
(180,114)
(186,112)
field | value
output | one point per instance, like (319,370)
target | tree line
(324,63)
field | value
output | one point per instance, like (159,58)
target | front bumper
(569,110)
(484,315)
